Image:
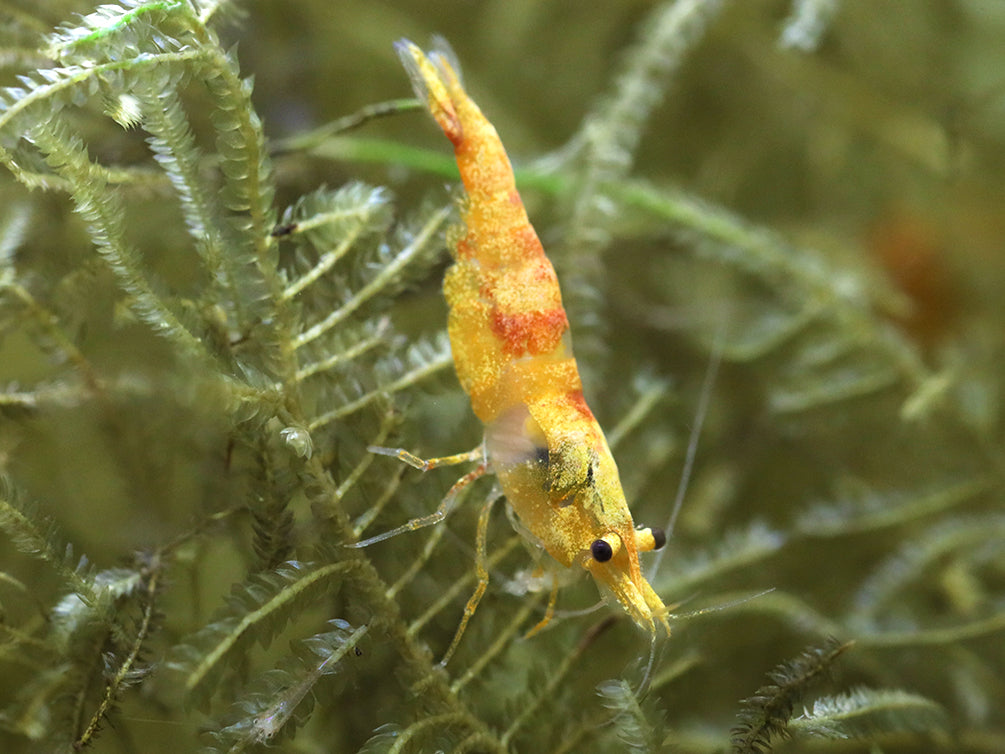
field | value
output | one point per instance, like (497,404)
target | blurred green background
(855,422)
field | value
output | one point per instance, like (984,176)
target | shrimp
(509,336)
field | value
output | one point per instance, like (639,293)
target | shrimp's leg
(549,612)
(478,454)
(445,506)
(481,558)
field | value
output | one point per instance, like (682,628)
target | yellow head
(566,492)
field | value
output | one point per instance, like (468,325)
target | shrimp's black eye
(601,551)
(659,538)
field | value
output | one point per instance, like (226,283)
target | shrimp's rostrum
(512,353)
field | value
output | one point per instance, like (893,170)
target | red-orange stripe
(529,333)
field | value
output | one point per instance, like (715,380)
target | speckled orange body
(509,337)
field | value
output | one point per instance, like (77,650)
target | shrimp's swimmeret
(511,349)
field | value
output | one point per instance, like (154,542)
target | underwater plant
(206,321)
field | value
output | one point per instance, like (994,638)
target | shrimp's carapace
(509,337)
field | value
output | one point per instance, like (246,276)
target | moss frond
(113,31)
(255,611)
(102,209)
(389,264)
(13,229)
(33,532)
(869,714)
(766,714)
(275,703)
(122,653)
(970,541)
(605,150)
(332,222)
(636,727)
(737,549)
(857,509)
(272,514)
(807,23)
(395,373)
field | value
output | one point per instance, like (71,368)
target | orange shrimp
(510,341)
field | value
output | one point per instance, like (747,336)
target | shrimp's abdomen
(503,294)
(506,328)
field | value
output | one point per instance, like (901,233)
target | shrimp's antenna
(643,688)
(704,399)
